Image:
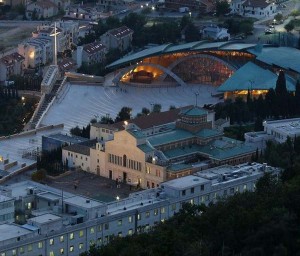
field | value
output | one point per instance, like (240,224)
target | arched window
(124,160)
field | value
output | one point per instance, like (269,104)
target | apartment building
(61,223)
(254,8)
(119,38)
(41,10)
(36,52)
(90,54)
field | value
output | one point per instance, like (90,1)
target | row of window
(123,161)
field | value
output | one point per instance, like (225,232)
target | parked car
(268,31)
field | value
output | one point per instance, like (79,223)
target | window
(139,216)
(14,252)
(173,207)
(62,238)
(148,170)
(130,219)
(100,228)
(162,210)
(147,214)
(99,241)
(245,187)
(71,248)
(92,230)
(29,248)
(155,212)
(192,190)
(21,249)
(51,241)
(120,234)
(92,242)
(183,192)
(40,245)
(192,201)
(61,250)
(237,189)
(71,236)
(202,187)
(106,226)
(80,246)
(130,232)
(119,222)
(3,254)
(81,233)
(51,253)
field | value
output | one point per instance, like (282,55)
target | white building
(7,209)
(41,9)
(49,79)
(278,130)
(36,52)
(87,222)
(253,8)
(215,33)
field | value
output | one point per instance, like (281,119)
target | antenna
(55,45)
(196,94)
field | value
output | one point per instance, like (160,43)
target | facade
(145,154)
(215,33)
(11,64)
(81,13)
(119,38)
(63,223)
(254,8)
(90,54)
(36,52)
(41,9)
(7,209)
(70,29)
(49,79)
(12,2)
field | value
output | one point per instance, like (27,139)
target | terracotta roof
(256,3)
(120,32)
(147,121)
(93,47)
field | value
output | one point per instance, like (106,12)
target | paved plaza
(78,104)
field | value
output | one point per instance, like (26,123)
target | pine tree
(281,85)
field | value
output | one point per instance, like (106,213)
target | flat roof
(185,182)
(49,196)
(5,198)
(45,218)
(168,137)
(252,77)
(66,138)
(287,126)
(83,202)
(9,231)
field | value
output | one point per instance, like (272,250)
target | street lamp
(153,8)
(190,13)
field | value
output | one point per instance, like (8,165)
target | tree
(145,111)
(124,114)
(222,7)
(281,85)
(295,13)
(278,17)
(246,26)
(156,108)
(191,33)
(289,27)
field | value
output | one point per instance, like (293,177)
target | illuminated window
(71,236)
(120,234)
(155,212)
(81,233)
(92,242)
(162,210)
(71,248)
(29,248)
(80,246)
(51,253)
(51,241)
(99,241)
(130,219)
(139,216)
(21,249)
(92,230)
(147,214)
(119,222)
(40,245)
(192,201)
(3,254)
(61,251)
(245,187)
(130,232)
(99,227)
(62,238)
(14,252)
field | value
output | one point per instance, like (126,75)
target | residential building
(90,54)
(11,64)
(118,38)
(66,65)
(7,209)
(146,155)
(82,13)
(41,9)
(70,29)
(36,52)
(12,2)
(215,33)
(63,223)
(254,8)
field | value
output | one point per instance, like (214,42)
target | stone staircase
(45,103)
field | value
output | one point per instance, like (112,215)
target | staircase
(45,103)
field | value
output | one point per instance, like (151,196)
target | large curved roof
(173,48)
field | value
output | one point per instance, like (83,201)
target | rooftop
(185,182)
(45,218)
(253,77)
(83,202)
(9,231)
(66,138)
(287,126)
